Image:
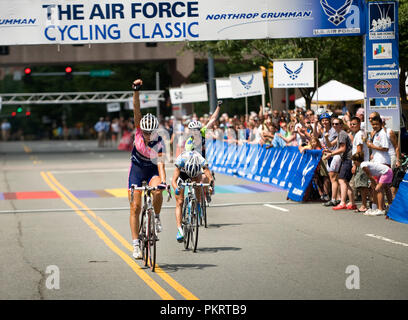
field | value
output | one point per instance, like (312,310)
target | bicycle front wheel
(204,208)
(185,224)
(194,227)
(144,223)
(151,241)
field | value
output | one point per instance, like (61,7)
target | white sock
(180,229)
(135,242)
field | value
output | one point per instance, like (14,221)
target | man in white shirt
(379,143)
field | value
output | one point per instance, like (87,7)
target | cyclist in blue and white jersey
(189,166)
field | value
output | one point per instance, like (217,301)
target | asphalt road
(64,234)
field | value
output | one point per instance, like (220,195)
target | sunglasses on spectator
(336,123)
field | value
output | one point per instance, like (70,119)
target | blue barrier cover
(399,207)
(286,167)
(304,174)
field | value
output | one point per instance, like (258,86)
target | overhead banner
(293,74)
(189,93)
(25,22)
(223,86)
(247,84)
(381,65)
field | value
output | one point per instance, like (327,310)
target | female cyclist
(147,164)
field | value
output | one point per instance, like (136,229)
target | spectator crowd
(356,165)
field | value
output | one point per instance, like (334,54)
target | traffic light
(28,113)
(13,114)
(27,75)
(68,73)
(19,109)
(263,69)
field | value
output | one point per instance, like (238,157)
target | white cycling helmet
(193,166)
(195,124)
(149,123)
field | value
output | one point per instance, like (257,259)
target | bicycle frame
(147,229)
(191,225)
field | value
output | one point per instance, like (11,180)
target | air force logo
(293,74)
(247,85)
(336,16)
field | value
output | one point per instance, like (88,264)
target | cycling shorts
(138,174)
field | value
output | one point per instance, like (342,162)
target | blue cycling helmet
(324,116)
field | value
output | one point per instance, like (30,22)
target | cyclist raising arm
(196,129)
(147,164)
(188,166)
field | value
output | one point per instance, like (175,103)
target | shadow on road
(220,225)
(213,250)
(177,267)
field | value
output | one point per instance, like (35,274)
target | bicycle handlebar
(149,188)
(195,184)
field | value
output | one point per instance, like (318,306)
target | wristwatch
(136,87)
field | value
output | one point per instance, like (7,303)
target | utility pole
(158,88)
(211,82)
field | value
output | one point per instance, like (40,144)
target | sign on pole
(293,74)
(381,63)
(189,93)
(247,84)
(113,107)
(224,90)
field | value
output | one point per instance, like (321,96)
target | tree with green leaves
(339,58)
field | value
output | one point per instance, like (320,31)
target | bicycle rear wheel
(185,224)
(151,241)
(194,227)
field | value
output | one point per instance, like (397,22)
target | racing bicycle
(190,218)
(147,230)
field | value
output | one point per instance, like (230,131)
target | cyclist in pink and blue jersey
(147,164)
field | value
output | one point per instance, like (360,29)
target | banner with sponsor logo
(110,21)
(286,168)
(247,84)
(381,65)
(189,93)
(223,88)
(293,74)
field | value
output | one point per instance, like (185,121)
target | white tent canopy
(334,92)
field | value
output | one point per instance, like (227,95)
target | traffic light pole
(211,82)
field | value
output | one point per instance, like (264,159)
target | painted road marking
(174,284)
(387,240)
(276,207)
(122,192)
(135,267)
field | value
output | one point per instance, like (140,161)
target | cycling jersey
(183,158)
(146,155)
(144,159)
(190,145)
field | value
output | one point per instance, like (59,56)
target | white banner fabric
(247,84)
(293,74)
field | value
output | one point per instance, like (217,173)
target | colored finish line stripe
(123,192)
